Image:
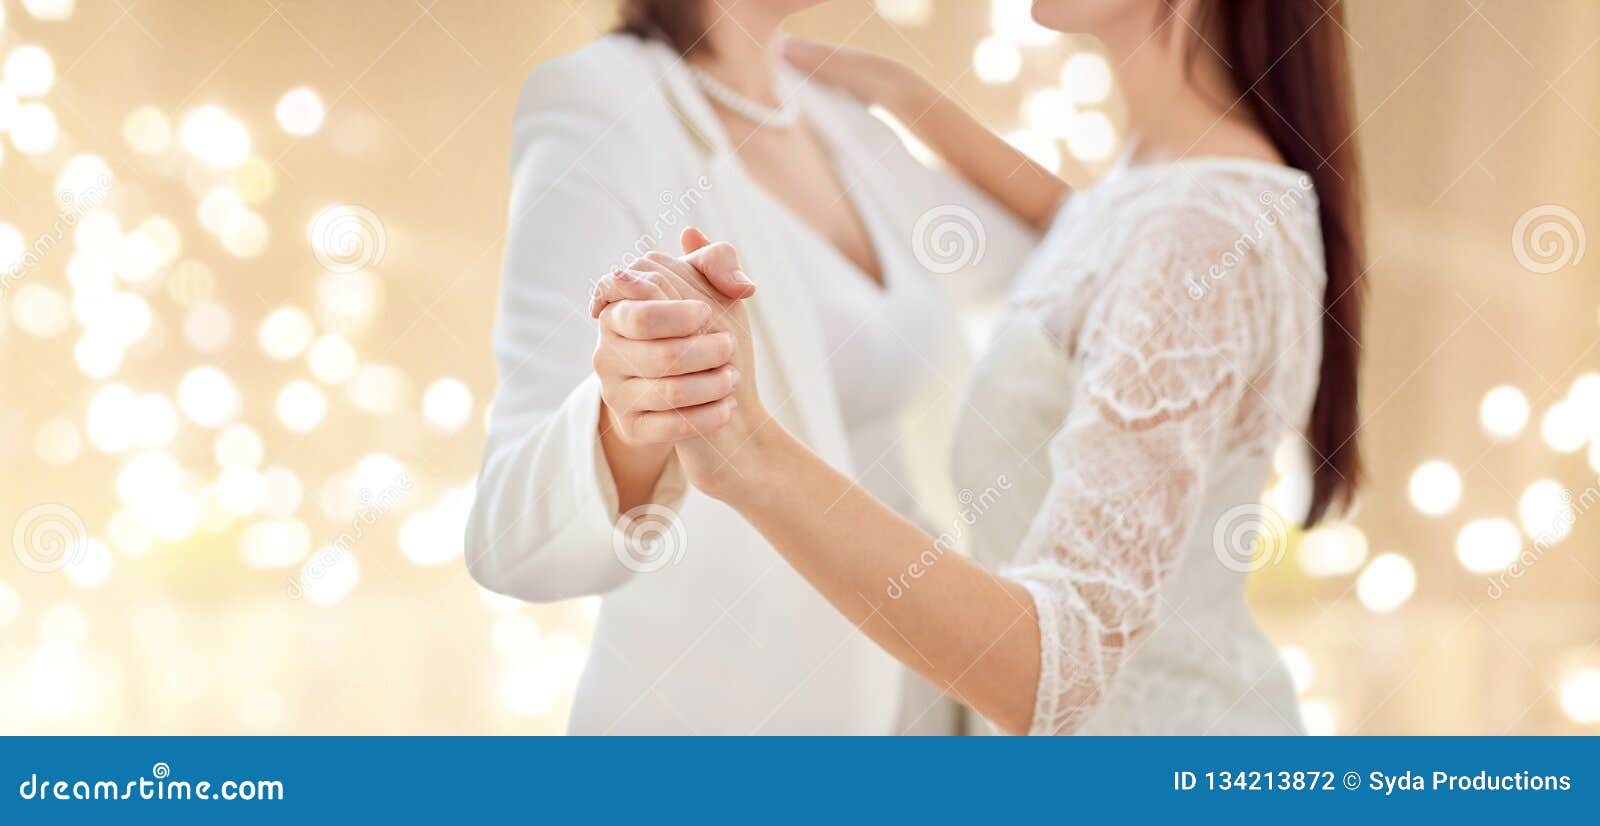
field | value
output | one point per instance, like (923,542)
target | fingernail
(739,276)
(622,275)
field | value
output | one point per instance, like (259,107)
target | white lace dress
(1119,432)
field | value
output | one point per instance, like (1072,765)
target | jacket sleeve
(542,523)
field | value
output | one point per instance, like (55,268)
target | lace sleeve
(1163,356)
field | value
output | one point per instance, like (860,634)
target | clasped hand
(675,358)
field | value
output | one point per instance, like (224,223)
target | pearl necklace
(784,116)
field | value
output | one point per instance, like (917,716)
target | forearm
(635,469)
(1005,173)
(942,615)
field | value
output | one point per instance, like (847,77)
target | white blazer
(614,151)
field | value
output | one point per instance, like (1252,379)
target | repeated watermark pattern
(74,204)
(649,538)
(347,238)
(1248,538)
(1547,238)
(49,537)
(1560,525)
(374,506)
(1275,204)
(948,239)
(973,507)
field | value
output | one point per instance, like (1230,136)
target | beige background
(1471,115)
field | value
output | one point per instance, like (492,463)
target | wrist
(755,463)
(905,93)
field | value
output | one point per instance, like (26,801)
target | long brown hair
(679,23)
(1287,58)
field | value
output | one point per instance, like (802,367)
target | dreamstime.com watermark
(949,238)
(648,538)
(1547,238)
(1274,206)
(49,537)
(1560,525)
(347,238)
(374,506)
(973,507)
(1248,538)
(157,785)
(75,203)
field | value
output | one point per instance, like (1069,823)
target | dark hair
(1287,58)
(679,23)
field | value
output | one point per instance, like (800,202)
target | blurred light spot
(1037,147)
(1048,112)
(1435,487)
(148,478)
(447,404)
(245,233)
(435,536)
(34,130)
(1086,78)
(97,230)
(275,543)
(1503,412)
(331,359)
(1091,137)
(285,333)
(1580,696)
(515,636)
(301,406)
(1013,20)
(1546,513)
(1387,582)
(379,481)
(378,388)
(83,180)
(300,111)
(1291,496)
(217,206)
(54,680)
(97,355)
(208,326)
(92,567)
(346,301)
(905,12)
(155,422)
(40,311)
(254,180)
(239,489)
(238,444)
(1485,546)
(281,492)
(1298,663)
(1332,550)
(29,71)
(1564,428)
(13,250)
(329,575)
(129,534)
(207,396)
(996,60)
(138,257)
(109,417)
(64,624)
(190,281)
(147,131)
(1585,396)
(49,10)
(530,690)
(216,137)
(1318,716)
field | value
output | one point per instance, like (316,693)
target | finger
(676,392)
(621,285)
(662,318)
(683,423)
(719,263)
(668,356)
(693,239)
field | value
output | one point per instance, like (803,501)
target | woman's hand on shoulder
(863,75)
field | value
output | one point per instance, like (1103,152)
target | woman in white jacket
(686,118)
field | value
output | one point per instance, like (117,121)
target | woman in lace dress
(1182,316)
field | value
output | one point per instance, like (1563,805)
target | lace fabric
(1190,321)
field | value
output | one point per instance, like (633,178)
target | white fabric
(614,152)
(1155,351)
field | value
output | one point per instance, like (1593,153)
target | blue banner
(981,780)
